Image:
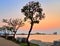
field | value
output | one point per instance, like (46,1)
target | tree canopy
(33,11)
(15,23)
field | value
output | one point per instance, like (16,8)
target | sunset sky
(51,8)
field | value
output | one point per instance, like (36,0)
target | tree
(33,12)
(0,28)
(14,23)
(55,33)
(3,28)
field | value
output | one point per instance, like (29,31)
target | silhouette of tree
(6,30)
(0,28)
(32,11)
(55,33)
(3,28)
(15,24)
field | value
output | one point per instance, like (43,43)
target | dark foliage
(32,11)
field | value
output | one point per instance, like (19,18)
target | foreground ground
(4,42)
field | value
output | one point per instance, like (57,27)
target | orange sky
(51,8)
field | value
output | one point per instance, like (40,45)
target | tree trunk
(14,34)
(5,34)
(28,44)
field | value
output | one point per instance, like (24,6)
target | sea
(43,38)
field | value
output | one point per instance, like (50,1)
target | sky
(51,8)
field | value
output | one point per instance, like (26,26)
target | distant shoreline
(37,34)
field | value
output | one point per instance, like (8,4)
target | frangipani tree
(33,12)
(14,23)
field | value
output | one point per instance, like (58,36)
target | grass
(25,44)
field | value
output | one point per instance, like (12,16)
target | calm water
(44,38)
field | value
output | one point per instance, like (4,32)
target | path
(4,42)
